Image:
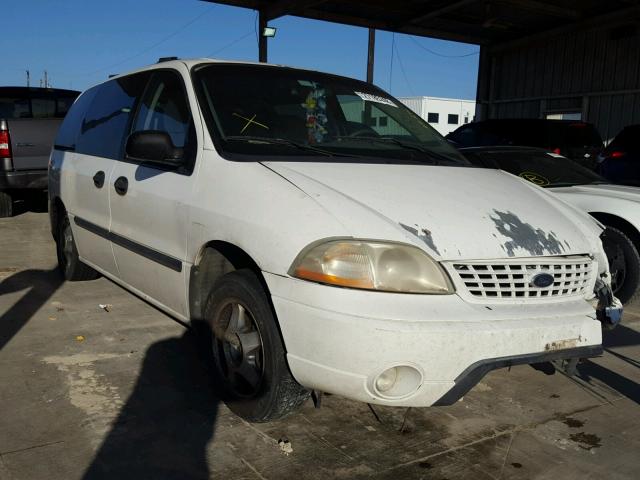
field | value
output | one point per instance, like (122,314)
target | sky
(81,42)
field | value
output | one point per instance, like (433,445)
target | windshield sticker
(535,178)
(250,121)
(315,106)
(368,97)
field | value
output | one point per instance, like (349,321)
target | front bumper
(341,340)
(24,179)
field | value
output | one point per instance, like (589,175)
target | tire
(6,205)
(69,262)
(624,265)
(249,364)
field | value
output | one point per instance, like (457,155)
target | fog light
(387,379)
(396,382)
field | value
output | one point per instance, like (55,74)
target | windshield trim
(338,157)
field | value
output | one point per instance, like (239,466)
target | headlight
(368,265)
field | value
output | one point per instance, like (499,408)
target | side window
(70,128)
(43,107)
(164,107)
(12,107)
(103,130)
(63,104)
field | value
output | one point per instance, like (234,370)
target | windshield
(539,167)
(254,112)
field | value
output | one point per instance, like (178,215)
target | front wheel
(69,262)
(624,265)
(248,355)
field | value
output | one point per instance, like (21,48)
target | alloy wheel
(237,346)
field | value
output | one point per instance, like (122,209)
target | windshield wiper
(284,141)
(435,156)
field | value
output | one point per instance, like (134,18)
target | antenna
(46,80)
(28,78)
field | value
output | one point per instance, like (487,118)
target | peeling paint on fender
(522,235)
(423,234)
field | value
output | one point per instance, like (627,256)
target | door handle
(98,179)
(121,185)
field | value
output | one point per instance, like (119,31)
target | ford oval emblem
(542,280)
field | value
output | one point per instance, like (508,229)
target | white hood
(452,212)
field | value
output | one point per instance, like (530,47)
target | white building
(443,114)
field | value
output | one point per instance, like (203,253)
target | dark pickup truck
(29,121)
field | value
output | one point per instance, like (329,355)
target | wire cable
(404,73)
(148,49)
(230,44)
(427,49)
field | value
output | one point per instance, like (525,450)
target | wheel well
(57,209)
(215,259)
(621,224)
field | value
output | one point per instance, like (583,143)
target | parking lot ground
(90,393)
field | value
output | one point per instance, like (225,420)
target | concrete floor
(86,393)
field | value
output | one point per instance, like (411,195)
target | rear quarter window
(70,128)
(107,121)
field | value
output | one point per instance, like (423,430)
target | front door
(149,204)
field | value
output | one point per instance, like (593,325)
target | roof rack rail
(166,59)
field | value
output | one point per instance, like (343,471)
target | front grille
(512,279)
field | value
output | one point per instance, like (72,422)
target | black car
(29,121)
(579,141)
(620,161)
(612,205)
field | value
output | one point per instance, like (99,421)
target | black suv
(29,121)
(576,140)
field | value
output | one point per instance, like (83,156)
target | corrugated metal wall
(595,72)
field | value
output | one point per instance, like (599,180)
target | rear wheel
(248,355)
(624,265)
(6,205)
(68,260)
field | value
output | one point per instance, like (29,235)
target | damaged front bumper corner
(608,308)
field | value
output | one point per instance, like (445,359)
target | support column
(371,54)
(485,84)
(262,40)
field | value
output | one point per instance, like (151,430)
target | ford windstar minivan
(327,236)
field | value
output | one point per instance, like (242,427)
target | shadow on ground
(30,201)
(163,429)
(40,286)
(621,336)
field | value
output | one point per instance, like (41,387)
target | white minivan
(327,237)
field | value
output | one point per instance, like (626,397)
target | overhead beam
(623,16)
(288,7)
(388,26)
(535,6)
(433,13)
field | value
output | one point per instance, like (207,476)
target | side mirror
(153,146)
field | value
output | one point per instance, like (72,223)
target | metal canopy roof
(473,21)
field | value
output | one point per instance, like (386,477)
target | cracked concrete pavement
(86,393)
